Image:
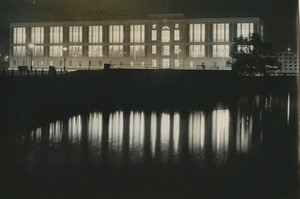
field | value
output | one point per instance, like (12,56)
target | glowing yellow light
(165,130)
(115,130)
(136,130)
(176,131)
(196,131)
(153,132)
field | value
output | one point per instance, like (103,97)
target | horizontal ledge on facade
(138,21)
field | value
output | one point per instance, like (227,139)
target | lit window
(191,64)
(165,50)
(176,63)
(177,25)
(19,36)
(56,34)
(176,49)
(37,35)
(137,51)
(19,51)
(221,32)
(153,49)
(244,48)
(38,51)
(245,29)
(75,34)
(220,50)
(95,34)
(197,50)
(165,34)
(116,51)
(165,63)
(56,51)
(95,51)
(154,35)
(116,34)
(75,51)
(137,33)
(197,32)
(153,26)
(154,63)
(176,35)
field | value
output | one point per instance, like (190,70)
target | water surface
(245,148)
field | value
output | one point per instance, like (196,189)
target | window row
(70,63)
(165,63)
(195,51)
(197,33)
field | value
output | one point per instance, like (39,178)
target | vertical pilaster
(231,32)
(105,40)
(66,34)
(85,35)
(46,41)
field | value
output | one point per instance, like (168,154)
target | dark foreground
(155,135)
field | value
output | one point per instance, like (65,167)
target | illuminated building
(161,41)
(289,63)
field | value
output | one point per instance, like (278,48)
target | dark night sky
(279,16)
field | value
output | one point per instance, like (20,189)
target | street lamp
(64,51)
(31,47)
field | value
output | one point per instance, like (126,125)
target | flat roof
(157,18)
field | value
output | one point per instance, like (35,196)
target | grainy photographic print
(149,99)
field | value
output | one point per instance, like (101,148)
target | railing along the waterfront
(70,71)
(31,73)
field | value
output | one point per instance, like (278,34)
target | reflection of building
(244,132)
(162,134)
(220,130)
(161,41)
(136,130)
(289,63)
(196,131)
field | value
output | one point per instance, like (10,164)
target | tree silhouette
(252,56)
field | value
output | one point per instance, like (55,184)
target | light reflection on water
(115,131)
(95,127)
(136,130)
(221,130)
(153,131)
(196,131)
(246,145)
(74,129)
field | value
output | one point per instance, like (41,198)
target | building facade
(161,41)
(289,63)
